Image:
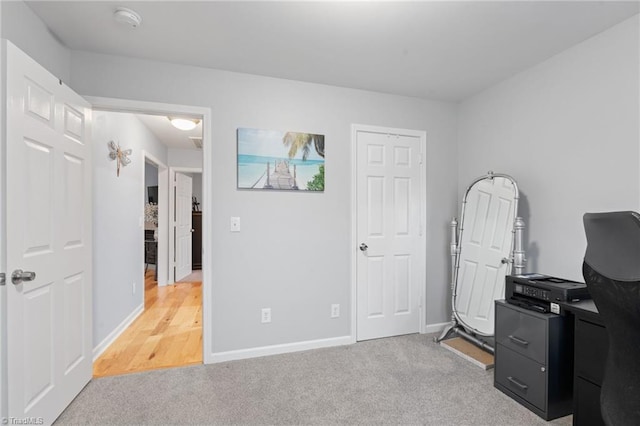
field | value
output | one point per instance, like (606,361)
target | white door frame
(171,225)
(143,107)
(422,135)
(3,238)
(162,258)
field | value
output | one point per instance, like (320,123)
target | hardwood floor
(167,334)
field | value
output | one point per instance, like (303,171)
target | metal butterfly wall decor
(115,153)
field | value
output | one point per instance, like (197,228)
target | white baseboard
(436,328)
(280,349)
(102,346)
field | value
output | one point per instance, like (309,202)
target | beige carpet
(407,380)
(193,277)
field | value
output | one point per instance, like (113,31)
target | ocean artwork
(269,159)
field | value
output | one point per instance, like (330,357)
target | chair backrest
(611,271)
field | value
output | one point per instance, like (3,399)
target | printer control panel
(536,293)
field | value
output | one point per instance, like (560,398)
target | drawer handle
(518,341)
(518,384)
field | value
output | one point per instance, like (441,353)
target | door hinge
(3,278)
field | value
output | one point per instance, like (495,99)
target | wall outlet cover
(235,224)
(335,310)
(266,316)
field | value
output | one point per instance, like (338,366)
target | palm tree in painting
(303,141)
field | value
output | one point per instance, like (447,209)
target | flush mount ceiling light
(127,17)
(184,123)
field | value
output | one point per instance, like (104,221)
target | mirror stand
(493,242)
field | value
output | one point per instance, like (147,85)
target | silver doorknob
(363,247)
(18,276)
(193,230)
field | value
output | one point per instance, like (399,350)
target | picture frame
(285,161)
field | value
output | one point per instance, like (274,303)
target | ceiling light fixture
(184,123)
(127,17)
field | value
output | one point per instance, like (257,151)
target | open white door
(48,223)
(183,191)
(390,259)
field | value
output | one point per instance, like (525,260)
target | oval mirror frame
(485,250)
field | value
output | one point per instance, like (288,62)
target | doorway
(185,236)
(388,226)
(51,310)
(167,329)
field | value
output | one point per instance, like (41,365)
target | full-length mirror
(485,245)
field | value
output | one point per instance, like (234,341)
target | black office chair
(611,271)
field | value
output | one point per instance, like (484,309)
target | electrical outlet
(234,224)
(266,315)
(133,287)
(335,310)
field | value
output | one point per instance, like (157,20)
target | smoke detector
(127,17)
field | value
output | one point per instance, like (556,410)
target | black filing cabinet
(534,359)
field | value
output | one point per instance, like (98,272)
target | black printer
(542,293)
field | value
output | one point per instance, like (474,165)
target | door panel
(389,279)
(73,319)
(38,347)
(375,286)
(48,222)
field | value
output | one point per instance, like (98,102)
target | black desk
(590,350)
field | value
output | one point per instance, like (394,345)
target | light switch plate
(235,224)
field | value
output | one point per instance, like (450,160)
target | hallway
(167,334)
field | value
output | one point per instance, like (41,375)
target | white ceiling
(446,50)
(173,138)
(437,50)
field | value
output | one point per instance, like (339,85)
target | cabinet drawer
(521,376)
(586,404)
(592,344)
(522,332)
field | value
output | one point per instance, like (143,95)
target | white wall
(185,158)
(568,131)
(118,208)
(312,230)
(25,29)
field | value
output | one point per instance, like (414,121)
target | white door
(486,240)
(390,252)
(48,225)
(183,191)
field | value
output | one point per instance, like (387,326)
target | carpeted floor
(399,380)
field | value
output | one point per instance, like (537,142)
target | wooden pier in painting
(281,177)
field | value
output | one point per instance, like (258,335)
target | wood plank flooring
(167,334)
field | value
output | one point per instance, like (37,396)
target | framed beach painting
(274,160)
